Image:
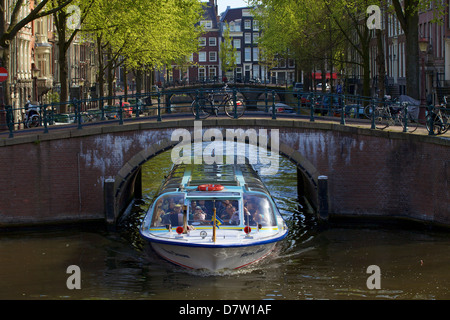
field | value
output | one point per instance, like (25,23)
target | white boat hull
(213,258)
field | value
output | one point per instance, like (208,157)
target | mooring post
(110,212)
(323,198)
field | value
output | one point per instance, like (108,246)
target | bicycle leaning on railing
(390,113)
(203,107)
(438,119)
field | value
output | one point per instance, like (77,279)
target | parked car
(127,109)
(319,87)
(282,108)
(298,87)
(326,104)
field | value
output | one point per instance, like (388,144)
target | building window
(248,37)
(248,54)
(237,26)
(207,24)
(212,56)
(255,54)
(202,41)
(255,25)
(202,56)
(212,41)
(255,37)
(201,73)
(247,24)
(212,73)
(237,43)
(238,57)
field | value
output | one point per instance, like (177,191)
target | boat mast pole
(214,221)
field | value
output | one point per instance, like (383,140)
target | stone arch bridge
(77,175)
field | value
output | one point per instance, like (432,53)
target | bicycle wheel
(435,125)
(381,119)
(446,124)
(368,111)
(229,107)
(203,106)
(34,121)
(411,123)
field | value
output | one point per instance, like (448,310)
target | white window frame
(212,56)
(247,38)
(248,54)
(212,41)
(202,56)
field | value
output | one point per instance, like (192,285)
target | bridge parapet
(262,101)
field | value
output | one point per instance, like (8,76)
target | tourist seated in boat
(199,214)
(175,217)
(158,213)
(231,215)
(257,211)
(207,206)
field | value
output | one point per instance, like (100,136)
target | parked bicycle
(32,115)
(438,120)
(206,106)
(391,113)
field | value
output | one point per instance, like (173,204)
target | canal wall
(62,176)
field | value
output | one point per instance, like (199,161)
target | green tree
(11,25)
(407,12)
(66,35)
(227,53)
(142,33)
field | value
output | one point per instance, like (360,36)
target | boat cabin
(194,194)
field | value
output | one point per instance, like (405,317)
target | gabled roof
(209,13)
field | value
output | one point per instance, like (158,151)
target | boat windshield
(170,209)
(259,210)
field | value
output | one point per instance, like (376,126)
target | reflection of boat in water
(213,217)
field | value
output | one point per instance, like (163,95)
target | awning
(318,75)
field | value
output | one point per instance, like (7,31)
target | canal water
(313,262)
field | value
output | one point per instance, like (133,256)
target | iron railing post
(120,111)
(159,107)
(405,117)
(102,106)
(373,115)
(274,115)
(234,104)
(45,118)
(342,98)
(311,109)
(430,120)
(10,120)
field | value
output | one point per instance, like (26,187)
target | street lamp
(423,47)
(35,73)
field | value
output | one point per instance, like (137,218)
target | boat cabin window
(168,209)
(258,210)
(201,211)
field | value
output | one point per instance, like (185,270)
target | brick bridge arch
(123,185)
(61,176)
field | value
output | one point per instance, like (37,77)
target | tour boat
(213,217)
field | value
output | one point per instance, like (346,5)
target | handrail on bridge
(271,101)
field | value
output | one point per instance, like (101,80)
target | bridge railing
(161,104)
